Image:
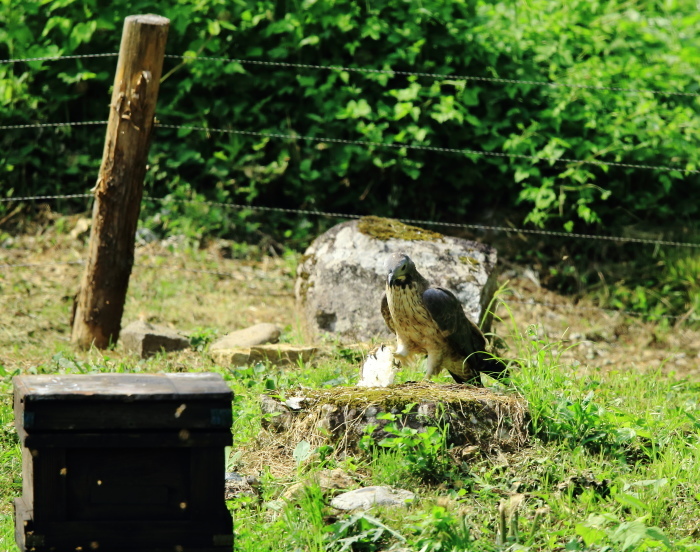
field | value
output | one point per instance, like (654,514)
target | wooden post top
(147,19)
(121,387)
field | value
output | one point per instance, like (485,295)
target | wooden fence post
(99,305)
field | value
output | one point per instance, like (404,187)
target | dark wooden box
(123,462)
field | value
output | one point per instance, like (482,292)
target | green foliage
(424,451)
(201,338)
(616,44)
(577,410)
(360,531)
(441,530)
(629,535)
(417,454)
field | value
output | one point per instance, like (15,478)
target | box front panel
(128,484)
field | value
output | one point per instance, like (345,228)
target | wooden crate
(123,462)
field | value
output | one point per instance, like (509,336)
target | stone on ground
(341,278)
(146,339)
(328,480)
(236,485)
(279,354)
(365,498)
(259,334)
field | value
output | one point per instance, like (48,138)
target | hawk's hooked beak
(399,272)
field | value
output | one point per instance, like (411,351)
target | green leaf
(521,174)
(590,535)
(631,501)
(301,452)
(214,28)
(309,41)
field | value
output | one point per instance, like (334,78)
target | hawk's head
(401,270)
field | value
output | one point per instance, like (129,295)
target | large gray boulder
(341,278)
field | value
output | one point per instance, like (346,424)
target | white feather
(379,368)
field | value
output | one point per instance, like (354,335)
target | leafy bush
(615,44)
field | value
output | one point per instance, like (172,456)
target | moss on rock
(385,229)
(342,415)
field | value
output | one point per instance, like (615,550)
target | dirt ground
(207,289)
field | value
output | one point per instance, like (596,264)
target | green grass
(612,465)
(613,461)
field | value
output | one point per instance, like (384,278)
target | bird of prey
(431,321)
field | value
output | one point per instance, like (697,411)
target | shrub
(612,44)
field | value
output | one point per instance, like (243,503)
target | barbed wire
(230,275)
(368,70)
(467,226)
(436,76)
(320,139)
(429,148)
(259,277)
(44,197)
(51,125)
(58,58)
(223,274)
(27,294)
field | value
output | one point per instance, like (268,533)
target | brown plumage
(431,321)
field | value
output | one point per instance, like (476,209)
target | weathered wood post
(99,305)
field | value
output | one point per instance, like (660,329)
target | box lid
(121,387)
(122,402)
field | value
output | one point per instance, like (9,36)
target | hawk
(431,321)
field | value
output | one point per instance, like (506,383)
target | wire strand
(429,148)
(233,275)
(482,227)
(367,70)
(58,58)
(381,145)
(43,197)
(52,125)
(229,275)
(33,265)
(436,76)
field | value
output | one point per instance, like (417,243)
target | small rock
(328,480)
(363,499)
(280,354)
(293,492)
(146,339)
(80,228)
(240,485)
(276,416)
(335,479)
(145,236)
(248,337)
